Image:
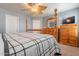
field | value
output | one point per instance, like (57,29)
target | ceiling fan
(34,8)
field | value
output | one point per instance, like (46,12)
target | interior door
(11,23)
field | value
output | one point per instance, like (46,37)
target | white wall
(22,23)
(63,15)
(29,22)
(69,13)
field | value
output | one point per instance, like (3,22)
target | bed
(28,44)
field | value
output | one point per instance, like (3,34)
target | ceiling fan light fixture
(35,7)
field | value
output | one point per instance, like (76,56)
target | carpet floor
(69,50)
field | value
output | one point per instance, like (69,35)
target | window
(36,24)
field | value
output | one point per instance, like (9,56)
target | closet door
(11,23)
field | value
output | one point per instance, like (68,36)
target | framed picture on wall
(69,20)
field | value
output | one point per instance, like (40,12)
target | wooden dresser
(69,34)
(51,31)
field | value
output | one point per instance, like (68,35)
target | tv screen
(69,20)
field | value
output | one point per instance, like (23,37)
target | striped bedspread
(29,44)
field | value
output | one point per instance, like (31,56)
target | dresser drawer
(64,42)
(63,30)
(73,43)
(73,38)
(64,34)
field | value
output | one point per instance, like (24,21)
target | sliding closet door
(11,24)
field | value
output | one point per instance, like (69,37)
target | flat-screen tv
(69,20)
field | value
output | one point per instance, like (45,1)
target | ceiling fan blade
(42,7)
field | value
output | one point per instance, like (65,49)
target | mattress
(28,44)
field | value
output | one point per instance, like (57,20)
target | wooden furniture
(51,31)
(52,28)
(69,34)
(35,30)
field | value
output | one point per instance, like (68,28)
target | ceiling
(18,7)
